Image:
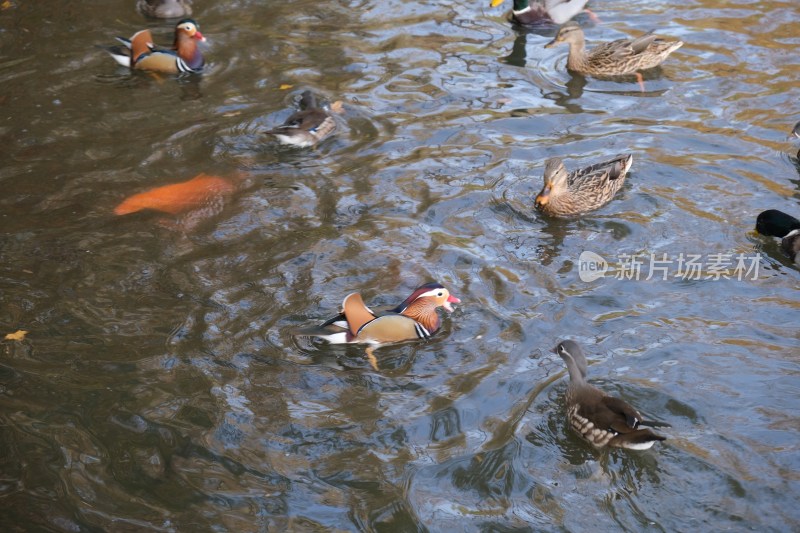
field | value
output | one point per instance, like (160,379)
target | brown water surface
(159,386)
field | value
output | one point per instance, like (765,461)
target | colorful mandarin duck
(600,419)
(534,13)
(164,9)
(415,318)
(622,57)
(306,127)
(787,228)
(199,192)
(582,190)
(140,53)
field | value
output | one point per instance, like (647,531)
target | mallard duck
(164,9)
(306,127)
(778,224)
(545,11)
(589,188)
(415,318)
(140,53)
(600,419)
(617,58)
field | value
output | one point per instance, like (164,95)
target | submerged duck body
(306,127)
(776,223)
(572,193)
(164,9)
(600,419)
(139,52)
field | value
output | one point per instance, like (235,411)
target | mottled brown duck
(565,194)
(600,419)
(622,57)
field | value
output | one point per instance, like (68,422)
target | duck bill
(496,3)
(199,36)
(543,197)
(551,43)
(451,300)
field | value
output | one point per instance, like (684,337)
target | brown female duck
(586,189)
(616,58)
(600,419)
(306,127)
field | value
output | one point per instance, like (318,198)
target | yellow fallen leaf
(17,335)
(285,86)
(6,5)
(337,107)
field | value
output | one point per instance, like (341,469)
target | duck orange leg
(371,357)
(640,80)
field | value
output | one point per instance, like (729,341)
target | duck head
(187,28)
(555,181)
(570,32)
(573,356)
(434,293)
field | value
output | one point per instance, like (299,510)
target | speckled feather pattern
(616,58)
(588,188)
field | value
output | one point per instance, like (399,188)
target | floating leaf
(285,86)
(17,335)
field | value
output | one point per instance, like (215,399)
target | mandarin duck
(616,58)
(582,190)
(164,9)
(600,419)
(415,318)
(535,13)
(778,224)
(140,53)
(306,127)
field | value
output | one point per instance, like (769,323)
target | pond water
(159,386)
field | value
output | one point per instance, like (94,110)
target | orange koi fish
(178,198)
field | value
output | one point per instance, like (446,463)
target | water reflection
(160,386)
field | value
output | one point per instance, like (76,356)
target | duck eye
(439,294)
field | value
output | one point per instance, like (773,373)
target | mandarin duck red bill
(140,53)
(600,419)
(415,318)
(306,127)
